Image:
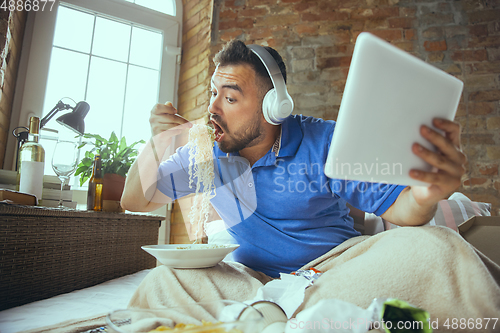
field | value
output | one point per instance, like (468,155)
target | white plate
(190,255)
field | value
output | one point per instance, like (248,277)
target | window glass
(141,95)
(105,96)
(67,78)
(73,29)
(145,48)
(111,39)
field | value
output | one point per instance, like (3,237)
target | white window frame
(37,47)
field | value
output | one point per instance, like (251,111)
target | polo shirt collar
(291,137)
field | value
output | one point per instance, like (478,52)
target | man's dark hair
(235,52)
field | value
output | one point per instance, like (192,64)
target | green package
(400,317)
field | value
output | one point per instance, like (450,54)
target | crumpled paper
(389,315)
(335,315)
(288,291)
(331,315)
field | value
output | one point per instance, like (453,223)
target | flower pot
(112,187)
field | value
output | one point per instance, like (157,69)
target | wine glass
(64,162)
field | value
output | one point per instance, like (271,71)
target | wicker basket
(46,252)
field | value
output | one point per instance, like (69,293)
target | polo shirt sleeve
(369,197)
(173,176)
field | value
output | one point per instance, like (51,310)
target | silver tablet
(388,95)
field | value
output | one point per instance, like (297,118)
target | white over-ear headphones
(277,104)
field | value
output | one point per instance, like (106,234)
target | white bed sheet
(105,297)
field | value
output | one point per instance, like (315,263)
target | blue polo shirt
(283,210)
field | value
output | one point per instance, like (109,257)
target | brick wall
(478,55)
(316,39)
(194,83)
(194,79)
(11,35)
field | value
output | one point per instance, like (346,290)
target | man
(238,87)
(284,212)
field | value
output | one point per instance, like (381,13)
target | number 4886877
(27,5)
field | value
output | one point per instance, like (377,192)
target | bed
(105,297)
(116,293)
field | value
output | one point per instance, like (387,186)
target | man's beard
(247,137)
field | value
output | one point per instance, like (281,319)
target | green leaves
(116,156)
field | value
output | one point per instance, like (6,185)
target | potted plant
(117,158)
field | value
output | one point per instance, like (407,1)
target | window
(166,7)
(117,55)
(113,65)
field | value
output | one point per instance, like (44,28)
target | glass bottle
(94,194)
(32,162)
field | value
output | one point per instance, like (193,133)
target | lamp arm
(59,107)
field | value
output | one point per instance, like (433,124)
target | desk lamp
(72,120)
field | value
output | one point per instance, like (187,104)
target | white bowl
(190,255)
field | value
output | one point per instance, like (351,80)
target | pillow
(373,224)
(217,234)
(452,212)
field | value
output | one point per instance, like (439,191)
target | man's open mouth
(219,133)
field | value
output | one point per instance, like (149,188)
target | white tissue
(287,292)
(328,315)
(332,315)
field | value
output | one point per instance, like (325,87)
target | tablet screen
(388,95)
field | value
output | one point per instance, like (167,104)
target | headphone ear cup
(269,107)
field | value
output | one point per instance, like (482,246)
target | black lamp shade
(74,120)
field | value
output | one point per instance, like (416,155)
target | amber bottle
(94,194)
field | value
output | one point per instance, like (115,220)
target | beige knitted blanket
(430,267)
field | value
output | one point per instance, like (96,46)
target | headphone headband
(280,107)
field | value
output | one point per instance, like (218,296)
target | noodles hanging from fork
(201,169)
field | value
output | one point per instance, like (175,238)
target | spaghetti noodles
(201,170)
